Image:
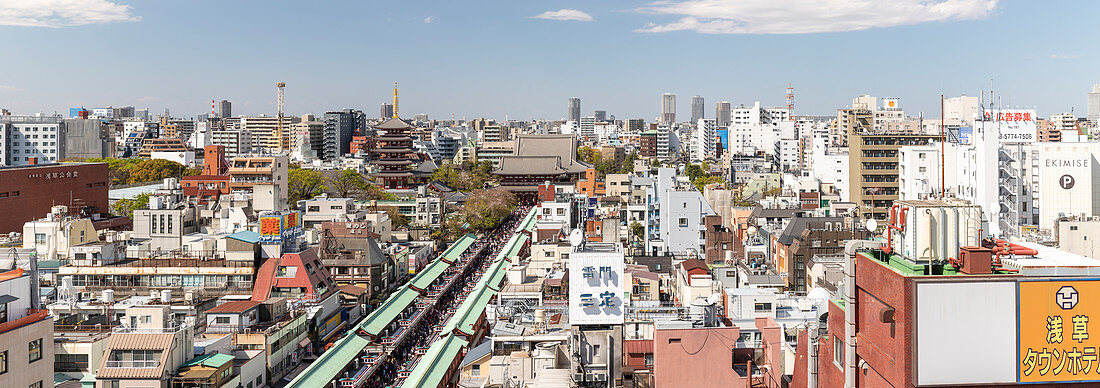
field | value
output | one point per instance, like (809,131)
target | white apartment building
(25,137)
(703,147)
(235,141)
(754,129)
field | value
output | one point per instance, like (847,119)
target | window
(1074,227)
(221,320)
(649,360)
(313,208)
(683,221)
(39,238)
(476,370)
(34,350)
(169,223)
(36,384)
(838,352)
(561,211)
(3,312)
(761,307)
(3,362)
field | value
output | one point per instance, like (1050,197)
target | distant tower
(1093,113)
(225,109)
(386,111)
(279,125)
(574,112)
(668,108)
(790,100)
(601,115)
(722,114)
(697,108)
(395,99)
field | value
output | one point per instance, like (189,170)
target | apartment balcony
(132,364)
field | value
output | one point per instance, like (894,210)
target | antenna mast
(790,100)
(279,126)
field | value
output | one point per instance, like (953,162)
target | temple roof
(394,123)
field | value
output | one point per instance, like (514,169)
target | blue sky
(496,59)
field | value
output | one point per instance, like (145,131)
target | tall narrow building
(668,108)
(574,112)
(697,109)
(1094,103)
(386,111)
(722,114)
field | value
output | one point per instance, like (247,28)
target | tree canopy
(137,170)
(126,206)
(467,176)
(485,209)
(304,184)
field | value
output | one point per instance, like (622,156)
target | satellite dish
(752,230)
(872,224)
(576,237)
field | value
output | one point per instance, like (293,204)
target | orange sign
(1059,337)
(271,225)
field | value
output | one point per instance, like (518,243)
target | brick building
(28,192)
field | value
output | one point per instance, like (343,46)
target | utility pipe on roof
(850,249)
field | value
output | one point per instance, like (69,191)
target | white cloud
(565,14)
(807,16)
(10,88)
(63,13)
(429,19)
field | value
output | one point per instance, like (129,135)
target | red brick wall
(41,187)
(885,346)
(828,374)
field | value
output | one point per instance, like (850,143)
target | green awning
(471,309)
(455,250)
(331,362)
(517,245)
(426,276)
(528,223)
(433,367)
(384,315)
(495,275)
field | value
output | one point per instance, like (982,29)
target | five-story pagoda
(394,156)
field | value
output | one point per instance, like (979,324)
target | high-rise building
(85,138)
(634,125)
(386,111)
(340,126)
(23,138)
(574,111)
(1094,103)
(873,167)
(697,108)
(600,115)
(668,108)
(225,109)
(722,113)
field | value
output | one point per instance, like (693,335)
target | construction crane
(279,125)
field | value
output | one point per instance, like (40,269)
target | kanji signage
(1058,337)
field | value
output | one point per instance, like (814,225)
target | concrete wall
(22,372)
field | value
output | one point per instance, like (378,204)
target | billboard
(595,287)
(274,228)
(1058,339)
(1014,125)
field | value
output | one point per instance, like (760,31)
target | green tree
(126,206)
(466,176)
(628,163)
(396,218)
(152,170)
(637,230)
(344,183)
(304,184)
(485,209)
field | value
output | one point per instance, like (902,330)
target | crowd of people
(403,357)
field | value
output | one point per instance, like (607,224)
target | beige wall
(22,373)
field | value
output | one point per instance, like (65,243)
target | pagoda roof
(394,123)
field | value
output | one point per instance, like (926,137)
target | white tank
(108,296)
(166,296)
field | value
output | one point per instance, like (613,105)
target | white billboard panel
(966,333)
(596,287)
(1014,125)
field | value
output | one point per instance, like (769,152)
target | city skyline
(204,51)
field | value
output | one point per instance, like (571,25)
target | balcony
(142,364)
(33,315)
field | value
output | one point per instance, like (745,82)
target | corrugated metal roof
(428,275)
(247,236)
(324,369)
(431,368)
(135,341)
(389,310)
(213,360)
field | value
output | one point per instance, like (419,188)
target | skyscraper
(574,113)
(386,111)
(668,108)
(722,113)
(601,115)
(696,108)
(225,109)
(1094,103)
(339,127)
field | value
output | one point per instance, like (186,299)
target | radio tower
(212,112)
(279,125)
(790,100)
